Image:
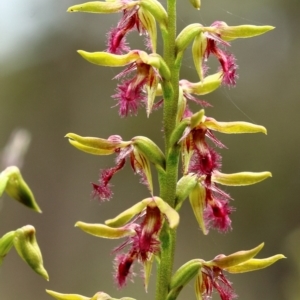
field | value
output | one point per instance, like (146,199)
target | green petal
(208,85)
(125,216)
(197,201)
(170,213)
(225,262)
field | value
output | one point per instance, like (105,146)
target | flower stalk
(149,226)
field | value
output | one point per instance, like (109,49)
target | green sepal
(234,127)
(102,7)
(186,36)
(150,150)
(239,179)
(255,264)
(104,231)
(6,242)
(185,273)
(115,60)
(17,188)
(157,10)
(240,257)
(149,23)
(181,107)
(184,187)
(142,162)
(229,33)
(59,296)
(93,145)
(28,249)
(109,59)
(197,200)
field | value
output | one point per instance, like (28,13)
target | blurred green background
(49,90)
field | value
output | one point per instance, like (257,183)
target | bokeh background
(49,90)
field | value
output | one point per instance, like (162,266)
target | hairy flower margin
(141,225)
(149,225)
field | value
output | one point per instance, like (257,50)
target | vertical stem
(169,179)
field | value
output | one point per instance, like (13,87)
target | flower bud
(16,187)
(6,242)
(28,249)
(209,84)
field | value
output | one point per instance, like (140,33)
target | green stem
(168,180)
